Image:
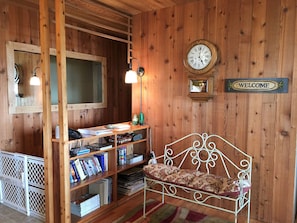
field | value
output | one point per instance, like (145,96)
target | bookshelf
(139,144)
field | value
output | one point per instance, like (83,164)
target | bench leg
(249,211)
(163,196)
(144,199)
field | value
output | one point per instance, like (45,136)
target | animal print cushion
(195,179)
(160,170)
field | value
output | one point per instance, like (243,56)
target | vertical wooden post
(62,106)
(47,118)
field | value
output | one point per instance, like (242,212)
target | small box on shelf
(134,158)
(85,204)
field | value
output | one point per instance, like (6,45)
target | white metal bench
(203,169)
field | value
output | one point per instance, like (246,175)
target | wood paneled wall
(23,132)
(256,39)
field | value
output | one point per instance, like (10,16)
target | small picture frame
(201,88)
(198,86)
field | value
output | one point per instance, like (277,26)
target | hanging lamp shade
(131,77)
(34,81)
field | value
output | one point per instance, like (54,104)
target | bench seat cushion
(195,179)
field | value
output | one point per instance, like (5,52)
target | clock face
(199,56)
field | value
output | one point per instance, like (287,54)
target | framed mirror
(86,79)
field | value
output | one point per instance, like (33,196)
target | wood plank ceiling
(111,17)
(132,7)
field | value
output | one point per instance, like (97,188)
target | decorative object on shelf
(201,88)
(34,80)
(135,119)
(130,78)
(201,56)
(122,155)
(141,118)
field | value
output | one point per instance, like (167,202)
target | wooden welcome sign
(255,85)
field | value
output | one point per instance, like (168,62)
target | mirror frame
(11,47)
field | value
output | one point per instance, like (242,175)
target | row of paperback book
(82,168)
(102,187)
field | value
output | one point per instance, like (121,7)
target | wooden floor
(138,199)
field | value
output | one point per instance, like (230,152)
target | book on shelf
(105,155)
(131,174)
(108,190)
(100,158)
(89,165)
(130,190)
(75,171)
(130,184)
(103,160)
(95,164)
(130,181)
(102,187)
(98,130)
(85,167)
(73,178)
(79,169)
(98,188)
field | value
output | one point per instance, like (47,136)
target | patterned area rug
(165,213)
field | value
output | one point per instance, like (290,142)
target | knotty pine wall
(23,132)
(256,39)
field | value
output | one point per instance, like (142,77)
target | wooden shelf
(122,168)
(77,189)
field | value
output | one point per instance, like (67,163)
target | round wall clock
(201,57)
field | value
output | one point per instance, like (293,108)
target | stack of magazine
(85,204)
(130,181)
